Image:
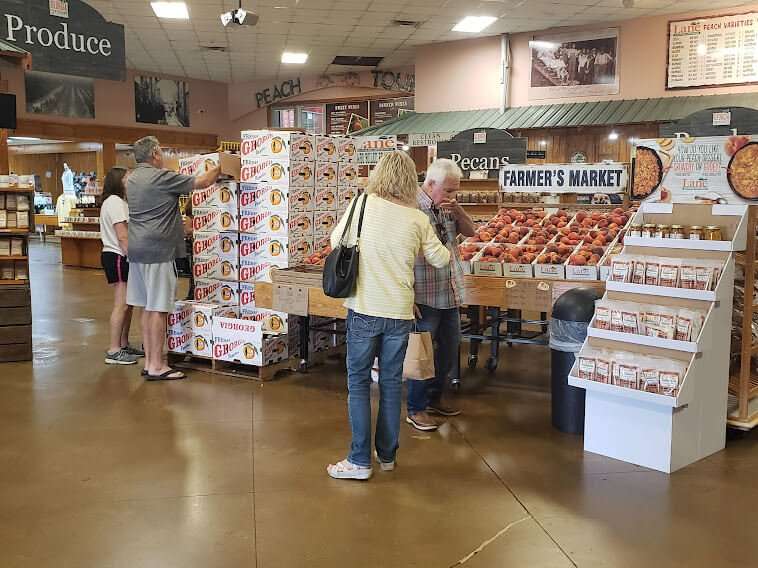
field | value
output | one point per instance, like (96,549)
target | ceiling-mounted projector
(239,17)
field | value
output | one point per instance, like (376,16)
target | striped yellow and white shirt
(391,239)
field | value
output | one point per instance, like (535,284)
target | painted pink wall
(114,103)
(445,81)
(458,75)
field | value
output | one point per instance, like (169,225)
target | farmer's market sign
(83,43)
(499,150)
(564,178)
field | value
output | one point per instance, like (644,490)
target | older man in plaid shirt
(439,292)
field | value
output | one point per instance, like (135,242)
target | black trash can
(572,313)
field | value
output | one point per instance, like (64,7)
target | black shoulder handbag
(341,266)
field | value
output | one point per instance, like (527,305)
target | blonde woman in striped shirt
(380,312)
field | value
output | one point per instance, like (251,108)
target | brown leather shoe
(422,421)
(442,409)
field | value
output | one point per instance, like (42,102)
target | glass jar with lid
(713,233)
(696,233)
(635,231)
(677,232)
(662,232)
(648,230)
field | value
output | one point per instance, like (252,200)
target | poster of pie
(346,118)
(713,51)
(685,170)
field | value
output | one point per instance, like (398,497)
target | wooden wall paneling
(80,161)
(4,158)
(39,165)
(106,159)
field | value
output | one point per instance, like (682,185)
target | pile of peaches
(527,218)
(555,253)
(587,255)
(524,254)
(318,258)
(468,250)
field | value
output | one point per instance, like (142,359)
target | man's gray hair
(442,169)
(144,148)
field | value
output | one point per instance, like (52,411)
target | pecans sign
(68,37)
(498,150)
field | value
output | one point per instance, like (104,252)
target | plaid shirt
(439,288)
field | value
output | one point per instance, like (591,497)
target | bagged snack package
(625,371)
(688,275)
(621,268)
(603,363)
(688,325)
(617,318)
(638,275)
(669,275)
(652,271)
(587,363)
(707,273)
(630,318)
(649,375)
(671,376)
(603,314)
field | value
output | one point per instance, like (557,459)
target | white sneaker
(348,470)
(385,466)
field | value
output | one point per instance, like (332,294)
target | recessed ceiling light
(171,10)
(24,138)
(293,57)
(613,135)
(474,24)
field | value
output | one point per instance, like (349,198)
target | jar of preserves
(648,230)
(713,233)
(635,231)
(677,232)
(662,232)
(696,233)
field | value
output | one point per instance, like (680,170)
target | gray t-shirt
(156,233)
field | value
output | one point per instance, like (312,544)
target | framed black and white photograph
(60,95)
(574,65)
(161,101)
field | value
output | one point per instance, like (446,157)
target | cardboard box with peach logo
(265,196)
(295,146)
(198,165)
(272,321)
(326,174)
(264,221)
(279,172)
(218,196)
(213,219)
(217,292)
(243,341)
(327,149)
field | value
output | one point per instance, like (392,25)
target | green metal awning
(15,52)
(568,115)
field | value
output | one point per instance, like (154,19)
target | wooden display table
(81,252)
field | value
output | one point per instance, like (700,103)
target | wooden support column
(106,159)
(4,162)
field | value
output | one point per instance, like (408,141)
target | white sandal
(348,470)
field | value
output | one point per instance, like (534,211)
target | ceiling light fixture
(406,147)
(613,135)
(24,139)
(543,142)
(294,57)
(474,24)
(171,10)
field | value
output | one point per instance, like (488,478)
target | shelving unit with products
(81,245)
(662,401)
(16,222)
(743,383)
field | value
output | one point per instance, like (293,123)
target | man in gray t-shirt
(156,240)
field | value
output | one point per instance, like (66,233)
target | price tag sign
(722,118)
(291,299)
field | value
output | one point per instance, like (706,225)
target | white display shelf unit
(731,218)
(666,433)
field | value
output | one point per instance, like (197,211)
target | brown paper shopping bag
(419,357)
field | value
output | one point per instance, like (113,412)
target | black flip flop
(144,372)
(166,376)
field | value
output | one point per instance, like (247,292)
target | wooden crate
(15,324)
(235,370)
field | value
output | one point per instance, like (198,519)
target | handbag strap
(349,221)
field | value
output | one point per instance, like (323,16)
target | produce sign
(680,170)
(499,150)
(372,148)
(76,41)
(564,178)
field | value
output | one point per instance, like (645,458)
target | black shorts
(116,267)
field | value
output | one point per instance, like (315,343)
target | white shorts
(152,286)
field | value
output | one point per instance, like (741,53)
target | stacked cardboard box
(212,325)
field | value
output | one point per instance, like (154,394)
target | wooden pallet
(235,370)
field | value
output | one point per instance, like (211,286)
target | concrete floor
(99,469)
